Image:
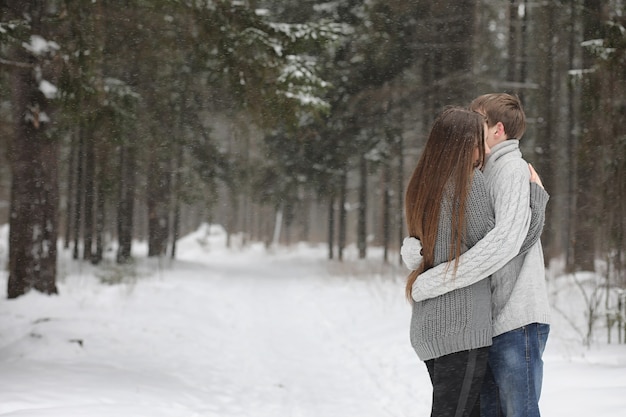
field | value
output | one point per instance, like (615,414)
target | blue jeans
(512,384)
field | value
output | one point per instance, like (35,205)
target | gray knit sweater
(461,319)
(519,294)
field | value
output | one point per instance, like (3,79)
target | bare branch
(8,63)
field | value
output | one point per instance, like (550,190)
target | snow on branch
(312,31)
(40,46)
(265,39)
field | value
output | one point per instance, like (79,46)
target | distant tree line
(290,120)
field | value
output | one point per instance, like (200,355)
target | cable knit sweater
(461,319)
(519,294)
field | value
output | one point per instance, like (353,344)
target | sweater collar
(509,146)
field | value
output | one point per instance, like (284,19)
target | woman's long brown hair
(443,175)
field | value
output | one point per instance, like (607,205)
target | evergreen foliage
(259,114)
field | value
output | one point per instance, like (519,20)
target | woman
(448,209)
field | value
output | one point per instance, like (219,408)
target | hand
(534,177)
(411,252)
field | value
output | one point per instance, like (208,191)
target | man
(520,307)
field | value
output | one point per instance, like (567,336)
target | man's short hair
(504,108)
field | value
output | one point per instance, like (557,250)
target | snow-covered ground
(250,332)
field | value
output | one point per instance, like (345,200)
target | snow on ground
(249,332)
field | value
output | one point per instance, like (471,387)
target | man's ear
(499,127)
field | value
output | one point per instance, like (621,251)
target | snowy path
(221,333)
(210,338)
(295,344)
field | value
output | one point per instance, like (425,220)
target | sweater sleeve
(411,247)
(512,212)
(538,201)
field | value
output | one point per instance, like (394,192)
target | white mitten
(411,252)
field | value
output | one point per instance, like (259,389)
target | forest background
(292,120)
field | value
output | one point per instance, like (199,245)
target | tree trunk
(386,210)
(175,226)
(331,227)
(547,122)
(100,148)
(574,94)
(343,216)
(103,191)
(516,69)
(159,194)
(178,189)
(100,219)
(78,197)
(584,243)
(278,222)
(362,210)
(33,219)
(89,192)
(401,227)
(231,216)
(126,203)
(71,176)
(586,202)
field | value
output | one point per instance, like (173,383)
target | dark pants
(457,379)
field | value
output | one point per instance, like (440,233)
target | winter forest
(201,201)
(292,121)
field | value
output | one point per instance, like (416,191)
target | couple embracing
(475,211)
